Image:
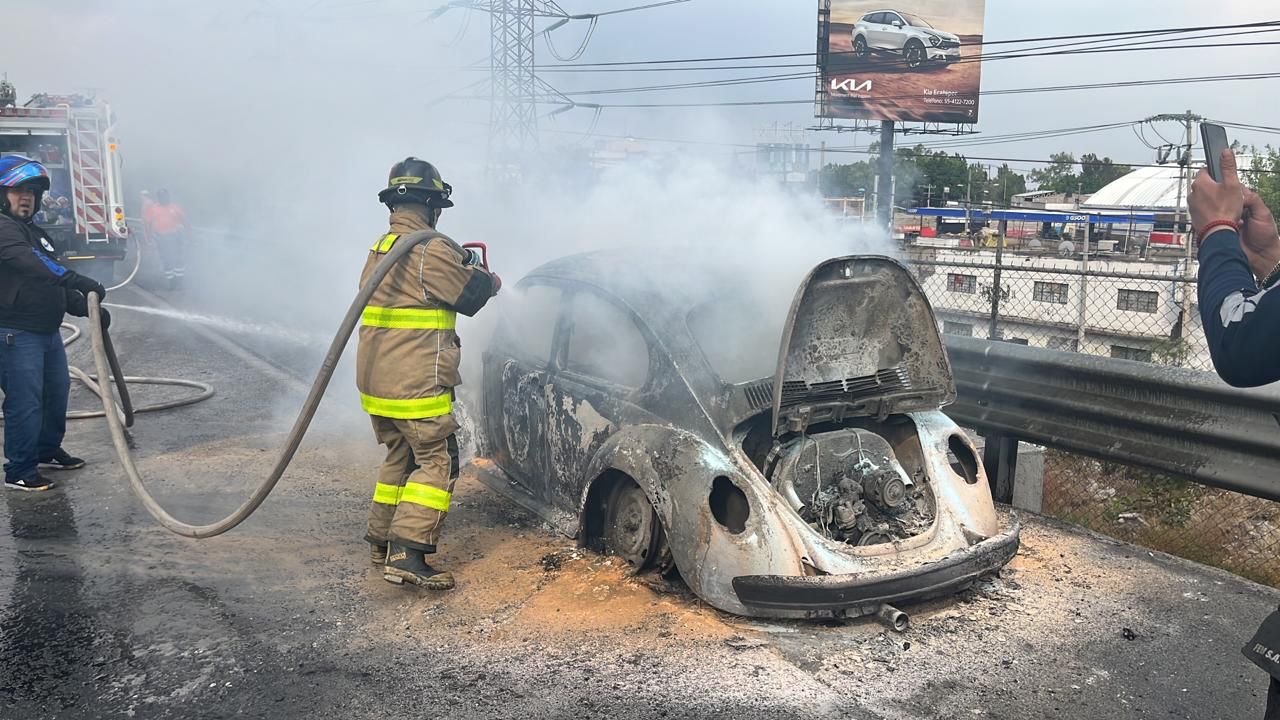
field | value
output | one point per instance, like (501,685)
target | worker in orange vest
(166,224)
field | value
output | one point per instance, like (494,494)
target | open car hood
(860,340)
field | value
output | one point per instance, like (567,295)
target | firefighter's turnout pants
(415,482)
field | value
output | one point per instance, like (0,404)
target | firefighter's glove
(84,284)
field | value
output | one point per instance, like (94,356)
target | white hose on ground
(119,438)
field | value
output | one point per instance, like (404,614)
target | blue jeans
(33,376)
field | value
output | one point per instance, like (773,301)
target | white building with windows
(1127,310)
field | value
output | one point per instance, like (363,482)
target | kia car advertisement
(916,61)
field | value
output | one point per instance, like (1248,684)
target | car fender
(971,504)
(678,471)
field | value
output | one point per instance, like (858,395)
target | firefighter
(35,292)
(406,369)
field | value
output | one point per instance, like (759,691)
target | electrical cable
(779,56)
(1010,91)
(104,359)
(746,148)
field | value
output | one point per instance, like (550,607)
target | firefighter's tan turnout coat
(406,369)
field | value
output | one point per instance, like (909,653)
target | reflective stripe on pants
(415,484)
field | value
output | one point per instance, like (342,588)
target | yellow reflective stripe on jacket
(412,409)
(426,496)
(386,494)
(384,243)
(410,318)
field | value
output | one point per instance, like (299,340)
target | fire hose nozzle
(483,252)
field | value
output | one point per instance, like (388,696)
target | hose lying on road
(103,359)
(91,381)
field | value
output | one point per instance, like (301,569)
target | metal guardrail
(1169,419)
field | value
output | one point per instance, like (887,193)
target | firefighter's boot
(378,553)
(409,565)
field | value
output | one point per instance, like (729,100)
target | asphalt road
(103,614)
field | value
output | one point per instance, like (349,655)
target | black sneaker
(62,460)
(35,483)
(409,565)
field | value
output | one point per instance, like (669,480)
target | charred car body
(632,414)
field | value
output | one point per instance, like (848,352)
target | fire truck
(73,135)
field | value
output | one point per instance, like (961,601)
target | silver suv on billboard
(904,34)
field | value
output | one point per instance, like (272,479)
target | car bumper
(943,54)
(837,593)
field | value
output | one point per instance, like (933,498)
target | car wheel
(860,48)
(914,54)
(632,530)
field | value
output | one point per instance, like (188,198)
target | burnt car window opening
(530,322)
(605,343)
(738,336)
(916,20)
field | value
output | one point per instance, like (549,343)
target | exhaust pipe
(893,618)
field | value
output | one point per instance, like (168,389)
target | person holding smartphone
(1239,272)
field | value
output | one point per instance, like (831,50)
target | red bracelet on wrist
(1215,226)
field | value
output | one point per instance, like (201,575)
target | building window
(1048,292)
(1127,353)
(1065,344)
(955,328)
(1137,300)
(962,283)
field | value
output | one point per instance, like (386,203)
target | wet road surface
(103,614)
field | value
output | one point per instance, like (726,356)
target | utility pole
(1188,121)
(822,165)
(884,181)
(968,202)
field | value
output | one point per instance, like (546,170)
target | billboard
(909,60)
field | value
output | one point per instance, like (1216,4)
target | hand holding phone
(1216,195)
(1215,143)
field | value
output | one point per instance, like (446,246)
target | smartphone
(1215,143)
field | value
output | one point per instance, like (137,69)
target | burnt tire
(632,530)
(913,54)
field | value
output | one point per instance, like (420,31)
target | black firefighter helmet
(416,181)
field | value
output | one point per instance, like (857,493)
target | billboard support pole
(884,198)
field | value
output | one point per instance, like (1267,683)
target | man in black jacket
(35,292)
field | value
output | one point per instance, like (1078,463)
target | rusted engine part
(848,485)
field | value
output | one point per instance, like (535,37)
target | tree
(848,180)
(1264,175)
(1006,184)
(1059,176)
(1096,174)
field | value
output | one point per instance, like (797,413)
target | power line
(1008,91)
(745,147)
(779,56)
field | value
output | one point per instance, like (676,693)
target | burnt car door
(516,371)
(602,365)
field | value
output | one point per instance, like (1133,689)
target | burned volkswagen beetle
(787,464)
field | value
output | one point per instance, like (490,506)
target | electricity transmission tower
(514,84)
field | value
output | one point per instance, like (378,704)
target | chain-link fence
(1122,308)
(1131,311)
